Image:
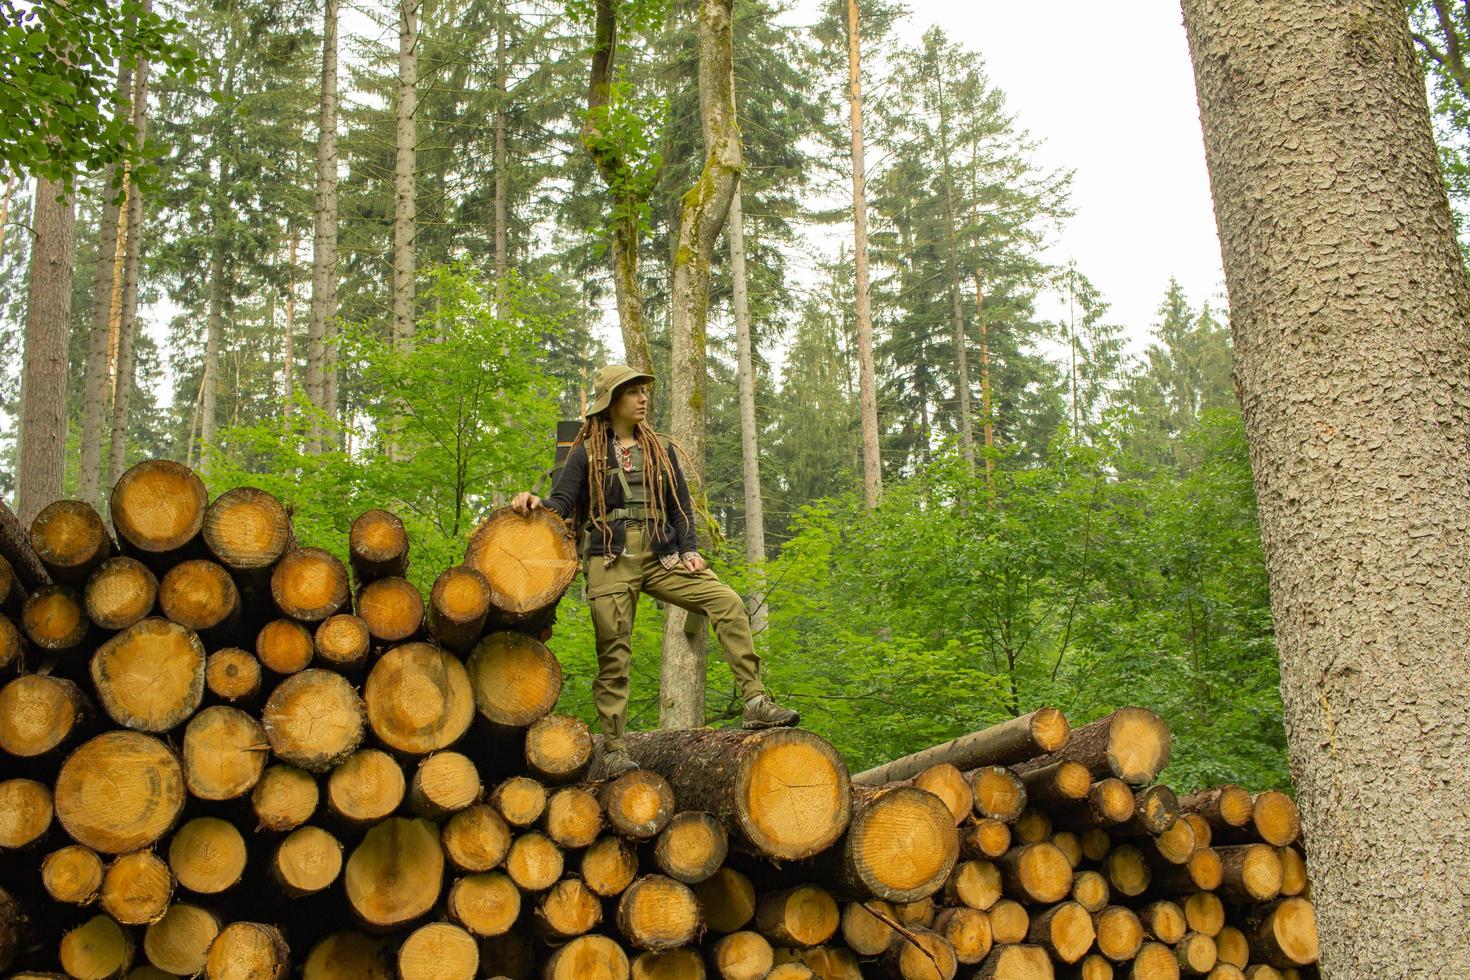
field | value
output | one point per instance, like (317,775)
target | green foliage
(59,106)
(467,403)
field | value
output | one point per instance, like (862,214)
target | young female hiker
(623,489)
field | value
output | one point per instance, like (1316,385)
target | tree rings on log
(248,951)
(247,529)
(284,798)
(985,838)
(1275,818)
(394,875)
(459,604)
(558,749)
(207,855)
(639,803)
(692,847)
(98,947)
(72,875)
(70,539)
(1119,933)
(232,675)
(659,913)
(284,646)
(569,908)
(900,846)
(343,642)
(476,838)
(802,916)
(1043,730)
(1222,807)
(444,783)
(309,584)
(313,720)
(527,561)
(487,904)
(1039,872)
(12,644)
(1250,873)
(975,884)
(573,817)
(591,957)
(1065,930)
(25,812)
(520,799)
(136,888)
(38,713)
(392,608)
(53,618)
(945,781)
(999,793)
(534,862)
(351,956)
(119,593)
(1132,744)
(178,943)
(516,679)
(366,787)
(377,545)
(419,698)
(741,956)
(158,506)
(438,951)
(921,955)
(610,864)
(150,677)
(307,861)
(119,792)
(782,792)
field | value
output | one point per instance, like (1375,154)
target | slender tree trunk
(213,334)
(1350,313)
(501,211)
(627,204)
(324,235)
(10,184)
(106,308)
(42,450)
(404,196)
(986,419)
(1072,345)
(702,214)
(755,508)
(867,383)
(288,342)
(961,346)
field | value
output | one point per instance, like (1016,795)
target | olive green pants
(612,591)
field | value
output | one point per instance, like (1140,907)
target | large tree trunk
(867,384)
(324,240)
(1350,312)
(106,309)
(702,214)
(627,200)
(755,510)
(43,380)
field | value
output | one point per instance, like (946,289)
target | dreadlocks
(658,472)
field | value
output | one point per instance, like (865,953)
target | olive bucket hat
(609,380)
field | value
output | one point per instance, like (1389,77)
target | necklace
(625,457)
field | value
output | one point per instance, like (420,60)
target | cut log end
(342,641)
(394,875)
(25,812)
(199,594)
(120,592)
(284,646)
(658,913)
(999,793)
(728,900)
(639,804)
(150,677)
(1065,930)
(1009,921)
(1285,934)
(70,539)
(486,904)
(207,855)
(119,792)
(1276,818)
(178,943)
(248,951)
(247,529)
(1127,870)
(742,956)
(901,845)
(351,956)
(232,675)
(392,608)
(309,584)
(568,909)
(1119,933)
(588,958)
(1154,961)
(516,679)
(72,875)
(98,947)
(558,748)
(534,862)
(545,560)
(921,955)
(520,799)
(419,698)
(1038,872)
(802,916)
(313,720)
(366,787)
(158,506)
(54,619)
(573,817)
(459,604)
(136,888)
(443,784)
(378,545)
(38,713)
(476,838)
(985,838)
(792,794)
(436,951)
(284,798)
(611,863)
(692,847)
(307,861)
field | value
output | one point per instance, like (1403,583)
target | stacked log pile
(230,756)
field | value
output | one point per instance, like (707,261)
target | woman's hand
(695,562)
(525,502)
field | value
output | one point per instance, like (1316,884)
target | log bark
(12,591)
(1043,730)
(783,793)
(120,592)
(900,846)
(419,699)
(150,677)
(1331,357)
(1131,744)
(1109,802)
(20,558)
(158,511)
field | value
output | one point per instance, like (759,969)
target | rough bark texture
(755,511)
(324,251)
(1349,309)
(214,324)
(122,387)
(404,200)
(702,214)
(867,383)
(40,455)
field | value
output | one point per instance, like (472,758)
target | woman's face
(630,403)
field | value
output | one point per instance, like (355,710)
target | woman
(622,488)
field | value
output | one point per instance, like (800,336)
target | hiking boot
(762,711)
(614,764)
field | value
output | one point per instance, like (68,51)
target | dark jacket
(571,500)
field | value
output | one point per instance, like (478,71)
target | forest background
(1099,546)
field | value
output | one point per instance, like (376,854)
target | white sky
(1109,91)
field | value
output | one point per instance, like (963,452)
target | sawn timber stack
(227,754)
